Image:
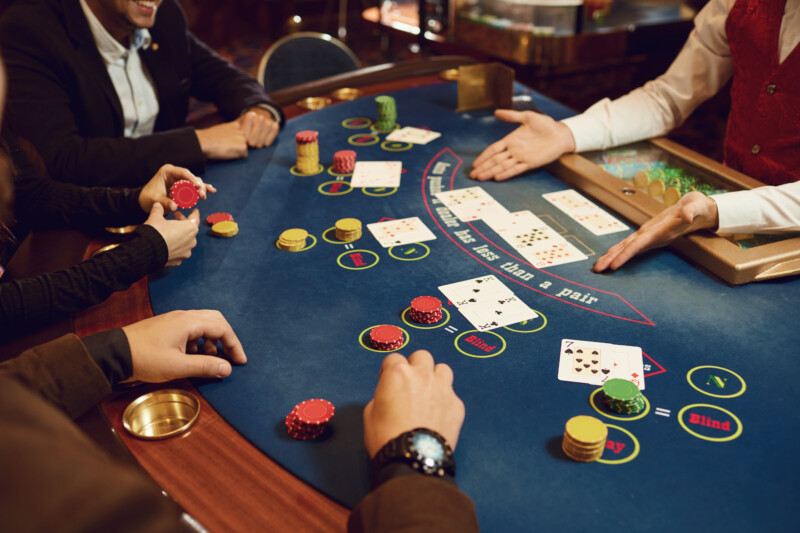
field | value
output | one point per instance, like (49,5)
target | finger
(421,359)
(202,366)
(272,133)
(512,171)
(209,346)
(489,152)
(246,123)
(213,325)
(173,174)
(167,203)
(392,360)
(444,374)
(156,212)
(509,115)
(259,133)
(191,346)
(178,216)
(194,216)
(210,188)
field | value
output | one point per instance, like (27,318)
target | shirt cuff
(112,353)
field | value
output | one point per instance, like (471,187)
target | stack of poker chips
(623,396)
(426,310)
(307,152)
(386,338)
(584,438)
(309,419)
(213,218)
(293,240)
(184,193)
(387,113)
(226,228)
(344,162)
(348,229)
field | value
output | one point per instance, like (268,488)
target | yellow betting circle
(348,252)
(332,173)
(346,123)
(533,330)
(631,457)
(480,356)
(296,172)
(711,439)
(361,340)
(378,195)
(373,139)
(376,130)
(623,419)
(698,389)
(427,253)
(401,148)
(308,247)
(326,193)
(446,316)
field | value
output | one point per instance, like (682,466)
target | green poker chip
(620,390)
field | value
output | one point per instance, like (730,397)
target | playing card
(472,203)
(377,174)
(597,362)
(413,135)
(586,213)
(553,253)
(404,231)
(486,303)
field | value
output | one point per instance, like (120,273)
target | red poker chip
(184,193)
(213,218)
(386,334)
(344,154)
(426,304)
(306,136)
(314,412)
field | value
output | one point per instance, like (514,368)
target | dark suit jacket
(62,99)
(55,479)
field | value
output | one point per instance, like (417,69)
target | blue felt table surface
(299,316)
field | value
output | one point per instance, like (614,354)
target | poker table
(709,452)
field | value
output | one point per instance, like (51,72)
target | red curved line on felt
(436,221)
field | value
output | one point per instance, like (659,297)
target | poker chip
(386,338)
(308,419)
(584,438)
(344,161)
(387,113)
(213,218)
(306,136)
(426,310)
(293,240)
(348,229)
(184,193)
(226,228)
(623,396)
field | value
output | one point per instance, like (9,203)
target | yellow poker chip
(226,228)
(294,235)
(348,224)
(586,429)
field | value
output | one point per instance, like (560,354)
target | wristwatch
(422,449)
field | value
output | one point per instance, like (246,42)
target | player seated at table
(754,42)
(101,88)
(56,479)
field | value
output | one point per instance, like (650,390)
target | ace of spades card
(595,363)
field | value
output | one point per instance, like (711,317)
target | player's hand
(692,212)
(259,127)
(157,189)
(161,346)
(179,234)
(537,141)
(412,393)
(223,141)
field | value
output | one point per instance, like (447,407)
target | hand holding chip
(157,189)
(179,234)
(412,393)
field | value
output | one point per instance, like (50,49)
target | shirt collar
(110,48)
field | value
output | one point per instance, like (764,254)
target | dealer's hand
(412,393)
(164,347)
(692,212)
(259,127)
(157,189)
(537,141)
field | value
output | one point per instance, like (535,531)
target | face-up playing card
(413,135)
(597,362)
(587,214)
(396,232)
(472,203)
(486,303)
(377,174)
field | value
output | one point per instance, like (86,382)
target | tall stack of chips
(426,310)
(344,162)
(307,151)
(386,338)
(348,229)
(309,419)
(387,113)
(584,438)
(184,193)
(623,396)
(293,240)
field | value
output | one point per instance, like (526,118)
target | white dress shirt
(699,71)
(131,80)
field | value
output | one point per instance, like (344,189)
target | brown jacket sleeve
(54,477)
(414,504)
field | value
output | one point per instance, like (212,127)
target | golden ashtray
(346,94)
(161,414)
(450,74)
(104,249)
(124,229)
(312,103)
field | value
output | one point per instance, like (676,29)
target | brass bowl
(124,229)
(346,94)
(450,74)
(312,103)
(161,414)
(104,249)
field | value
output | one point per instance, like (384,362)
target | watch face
(429,448)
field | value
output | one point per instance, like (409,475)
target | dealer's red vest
(763,137)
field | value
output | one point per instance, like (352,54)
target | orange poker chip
(306,136)
(184,193)
(386,335)
(426,304)
(213,218)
